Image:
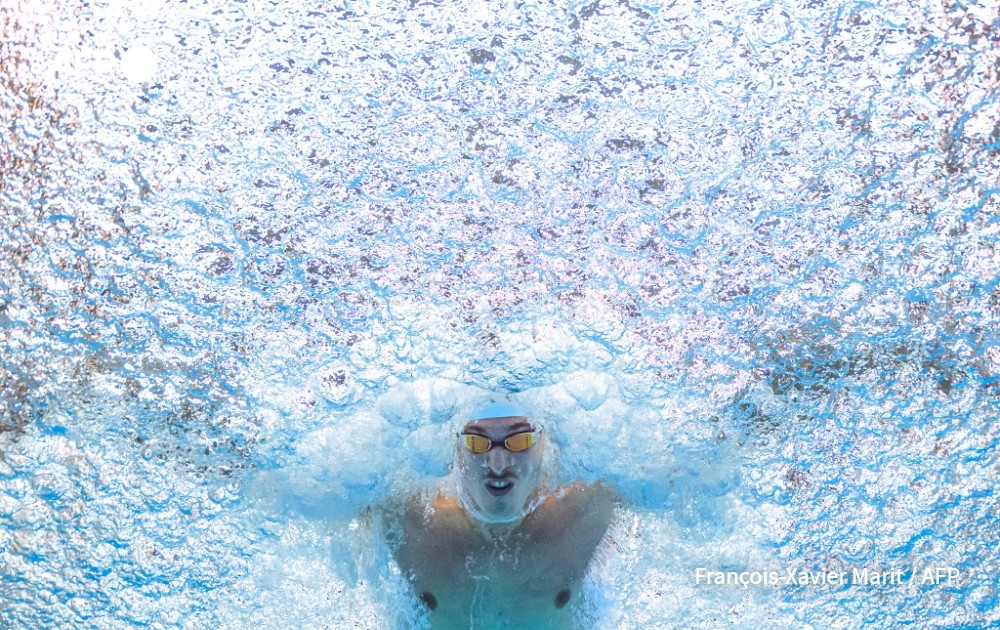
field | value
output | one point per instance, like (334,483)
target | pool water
(258,256)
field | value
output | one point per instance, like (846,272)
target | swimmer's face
(497,485)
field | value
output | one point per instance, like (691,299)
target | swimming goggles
(515,443)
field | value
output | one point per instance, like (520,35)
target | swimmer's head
(499,462)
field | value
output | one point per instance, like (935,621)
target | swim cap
(498,409)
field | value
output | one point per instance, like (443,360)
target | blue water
(256,256)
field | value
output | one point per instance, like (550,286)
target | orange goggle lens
(520,441)
(516,443)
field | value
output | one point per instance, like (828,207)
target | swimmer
(505,551)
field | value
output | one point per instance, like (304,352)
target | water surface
(256,255)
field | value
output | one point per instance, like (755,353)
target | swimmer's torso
(529,579)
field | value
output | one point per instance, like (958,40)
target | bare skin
(523,573)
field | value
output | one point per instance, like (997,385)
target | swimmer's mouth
(499,487)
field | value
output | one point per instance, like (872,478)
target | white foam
(139,64)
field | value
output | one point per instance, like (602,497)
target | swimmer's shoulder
(590,497)
(435,539)
(426,514)
(583,510)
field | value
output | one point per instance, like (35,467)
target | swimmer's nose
(498,460)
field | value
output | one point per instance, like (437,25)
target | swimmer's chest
(530,580)
(497,589)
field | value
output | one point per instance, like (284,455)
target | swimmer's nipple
(429,600)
